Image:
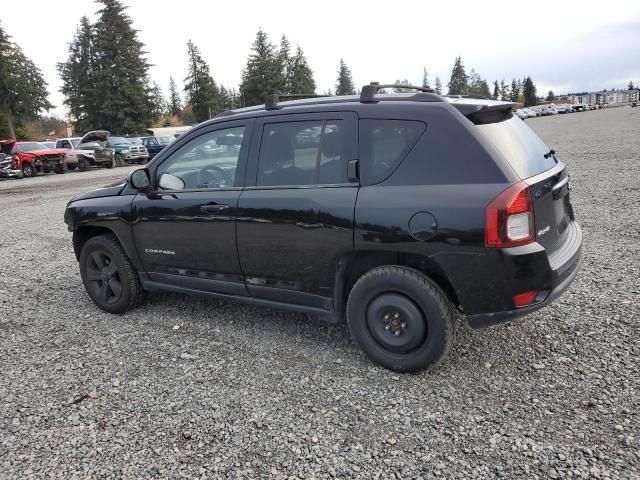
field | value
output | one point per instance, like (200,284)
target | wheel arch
(354,265)
(82,233)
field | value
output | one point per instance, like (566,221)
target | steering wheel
(211,175)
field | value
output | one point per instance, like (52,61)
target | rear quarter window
(383,146)
(519,145)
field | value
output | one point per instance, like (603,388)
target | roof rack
(426,94)
(271,101)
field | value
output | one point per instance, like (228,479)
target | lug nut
(397,333)
(386,327)
(404,325)
(386,317)
(397,315)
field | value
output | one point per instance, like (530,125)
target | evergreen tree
(23,89)
(200,88)
(158,103)
(78,78)
(477,85)
(529,92)
(458,83)
(400,89)
(438,86)
(630,86)
(286,65)
(515,91)
(120,92)
(263,74)
(175,104)
(425,78)
(344,85)
(496,90)
(300,76)
(504,91)
(550,96)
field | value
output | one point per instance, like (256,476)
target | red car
(34,157)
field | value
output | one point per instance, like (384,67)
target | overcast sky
(562,45)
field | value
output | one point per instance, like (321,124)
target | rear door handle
(214,208)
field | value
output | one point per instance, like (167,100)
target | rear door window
(384,144)
(519,145)
(302,153)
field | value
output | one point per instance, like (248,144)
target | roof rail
(368,93)
(271,101)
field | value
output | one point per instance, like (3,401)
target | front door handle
(214,208)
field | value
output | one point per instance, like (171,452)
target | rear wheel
(28,170)
(59,168)
(401,318)
(108,276)
(83,165)
(71,166)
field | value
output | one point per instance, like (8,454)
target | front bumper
(10,173)
(135,156)
(564,265)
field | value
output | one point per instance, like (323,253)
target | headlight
(126,150)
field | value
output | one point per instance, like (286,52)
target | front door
(185,229)
(295,215)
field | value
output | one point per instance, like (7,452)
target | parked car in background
(521,113)
(81,151)
(124,150)
(154,145)
(49,144)
(34,157)
(7,167)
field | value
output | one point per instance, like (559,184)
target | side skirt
(329,316)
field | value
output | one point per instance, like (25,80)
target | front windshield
(118,141)
(75,141)
(136,141)
(164,139)
(31,147)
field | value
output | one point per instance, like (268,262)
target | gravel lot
(189,388)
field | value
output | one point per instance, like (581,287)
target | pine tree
(300,76)
(175,104)
(551,96)
(400,89)
(263,74)
(458,83)
(200,88)
(425,78)
(158,102)
(630,86)
(504,91)
(515,91)
(496,90)
(78,78)
(438,86)
(529,92)
(344,85)
(22,87)
(120,90)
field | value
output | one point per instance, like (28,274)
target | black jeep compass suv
(393,211)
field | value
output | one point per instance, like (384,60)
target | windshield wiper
(550,153)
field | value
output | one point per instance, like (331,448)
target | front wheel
(59,168)
(108,275)
(83,165)
(401,318)
(28,170)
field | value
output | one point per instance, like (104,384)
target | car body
(126,150)
(453,204)
(522,113)
(7,167)
(34,157)
(155,145)
(88,150)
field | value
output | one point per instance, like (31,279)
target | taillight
(526,298)
(509,218)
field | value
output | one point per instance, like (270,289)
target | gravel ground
(184,387)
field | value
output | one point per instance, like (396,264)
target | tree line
(106,82)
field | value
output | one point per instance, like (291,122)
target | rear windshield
(519,145)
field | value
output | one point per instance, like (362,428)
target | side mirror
(140,180)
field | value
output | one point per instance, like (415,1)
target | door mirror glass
(171,182)
(140,179)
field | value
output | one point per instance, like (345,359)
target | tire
(28,170)
(72,166)
(108,165)
(59,169)
(108,275)
(119,161)
(401,319)
(83,165)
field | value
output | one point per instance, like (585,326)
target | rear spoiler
(484,114)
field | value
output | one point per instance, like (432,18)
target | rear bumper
(563,266)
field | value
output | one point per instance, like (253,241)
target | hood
(95,136)
(108,191)
(37,153)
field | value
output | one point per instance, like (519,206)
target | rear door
(295,214)
(547,177)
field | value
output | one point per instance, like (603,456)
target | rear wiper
(550,153)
